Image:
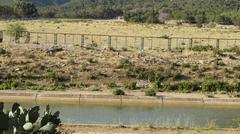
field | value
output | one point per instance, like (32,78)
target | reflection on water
(136,115)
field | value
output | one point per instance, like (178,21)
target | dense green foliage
(192,11)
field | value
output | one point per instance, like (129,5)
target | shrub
(92,45)
(146,74)
(52,76)
(234,49)
(131,86)
(92,76)
(187,86)
(214,85)
(224,19)
(186,65)
(9,85)
(201,48)
(237,87)
(111,84)
(151,92)
(3,52)
(237,95)
(96,89)
(15,30)
(58,86)
(157,85)
(118,92)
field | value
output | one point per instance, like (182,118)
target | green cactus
(23,121)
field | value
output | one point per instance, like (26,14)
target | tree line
(226,12)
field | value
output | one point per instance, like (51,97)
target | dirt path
(106,98)
(137,130)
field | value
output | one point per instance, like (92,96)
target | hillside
(224,12)
(39,3)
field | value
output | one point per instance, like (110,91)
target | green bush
(183,86)
(214,85)
(187,86)
(224,19)
(150,92)
(147,74)
(118,92)
(237,87)
(9,85)
(131,86)
(237,95)
(15,30)
(3,52)
(58,86)
(201,48)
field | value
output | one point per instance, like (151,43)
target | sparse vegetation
(201,48)
(118,92)
(15,30)
(131,86)
(150,92)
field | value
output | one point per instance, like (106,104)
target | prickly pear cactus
(23,121)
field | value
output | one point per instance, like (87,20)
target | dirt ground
(137,130)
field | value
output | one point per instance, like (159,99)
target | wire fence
(116,41)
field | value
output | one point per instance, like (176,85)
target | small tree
(15,30)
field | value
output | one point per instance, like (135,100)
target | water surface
(159,116)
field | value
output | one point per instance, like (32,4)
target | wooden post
(82,40)
(37,38)
(109,42)
(126,43)
(1,36)
(65,39)
(55,39)
(217,44)
(10,39)
(142,44)
(190,43)
(27,37)
(169,44)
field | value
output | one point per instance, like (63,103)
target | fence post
(190,43)
(37,38)
(1,36)
(142,44)
(109,42)
(55,39)
(218,43)
(82,40)
(169,44)
(10,38)
(65,39)
(27,37)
